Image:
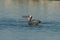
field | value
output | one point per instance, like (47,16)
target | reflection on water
(46,10)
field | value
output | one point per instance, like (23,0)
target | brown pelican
(32,22)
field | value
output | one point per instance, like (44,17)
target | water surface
(14,27)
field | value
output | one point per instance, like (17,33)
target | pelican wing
(25,16)
(36,20)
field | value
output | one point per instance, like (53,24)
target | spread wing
(25,16)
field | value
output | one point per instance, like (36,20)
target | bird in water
(32,22)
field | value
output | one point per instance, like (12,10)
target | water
(14,27)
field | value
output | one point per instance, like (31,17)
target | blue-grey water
(14,27)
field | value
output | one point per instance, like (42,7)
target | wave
(23,24)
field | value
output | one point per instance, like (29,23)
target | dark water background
(14,27)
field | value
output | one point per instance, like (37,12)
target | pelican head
(30,16)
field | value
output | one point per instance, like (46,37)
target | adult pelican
(32,22)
